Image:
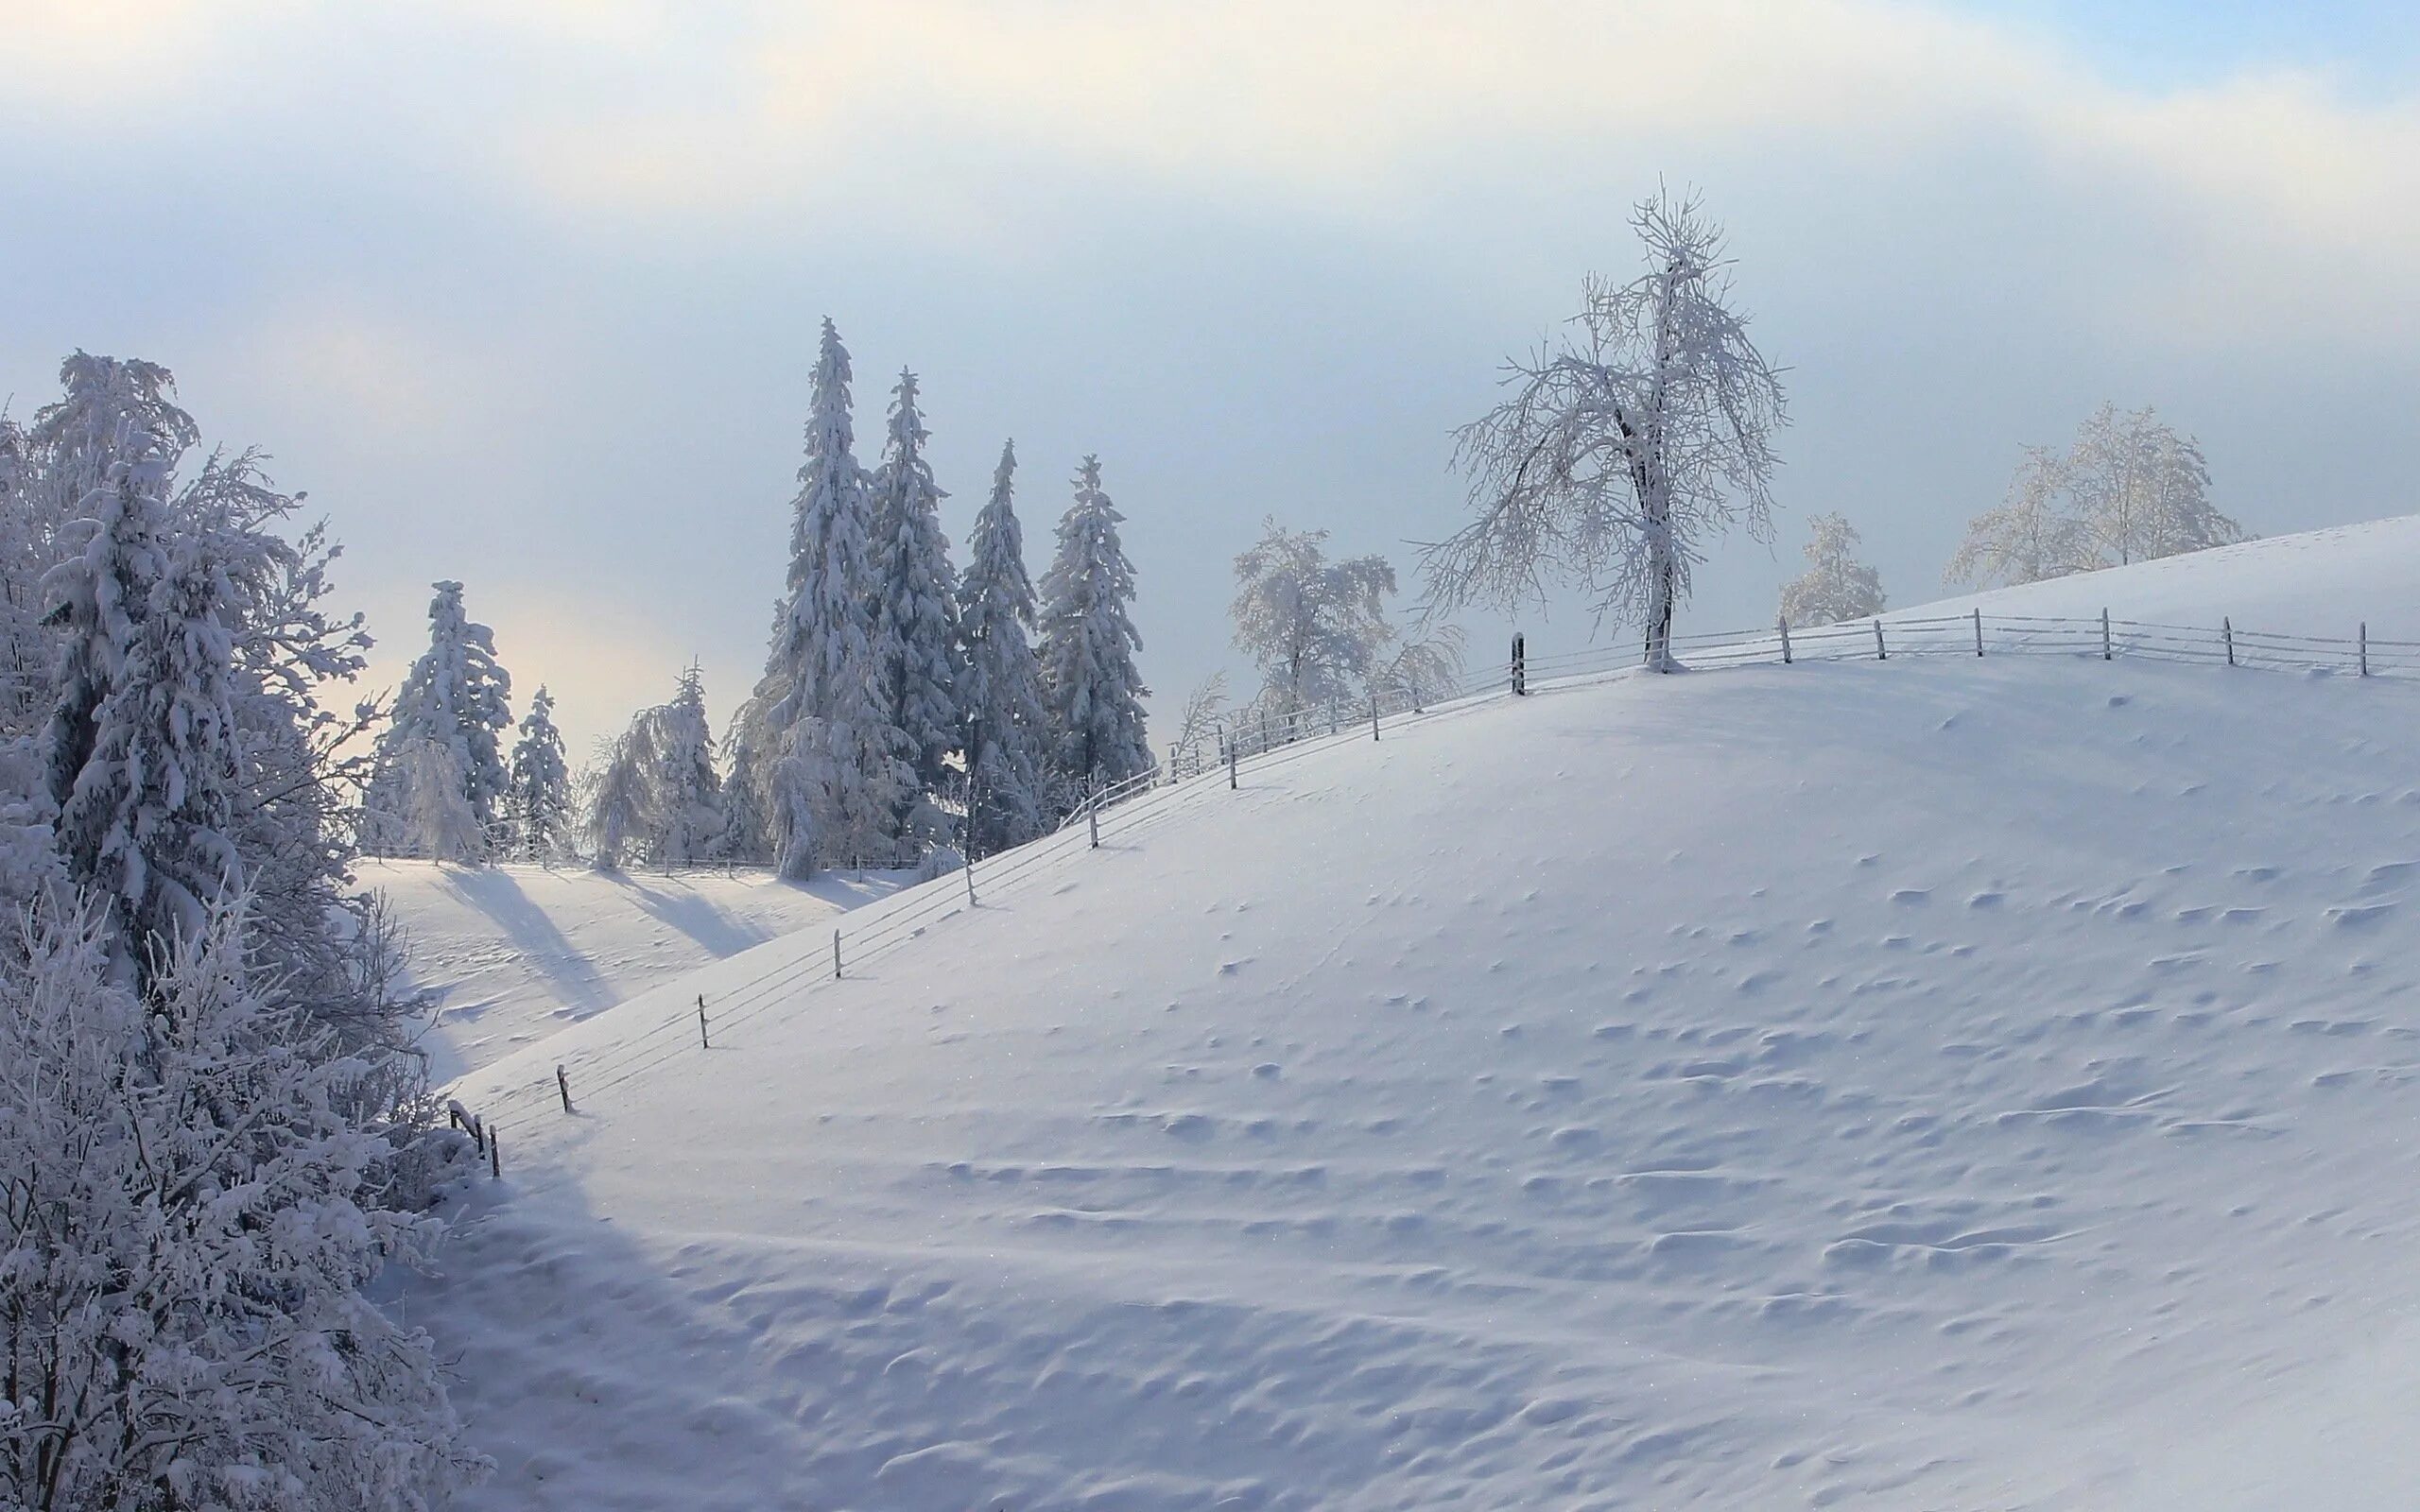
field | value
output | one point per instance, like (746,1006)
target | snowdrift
(1919,1084)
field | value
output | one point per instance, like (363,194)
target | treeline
(904,707)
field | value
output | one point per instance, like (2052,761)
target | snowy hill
(514,952)
(1921,1084)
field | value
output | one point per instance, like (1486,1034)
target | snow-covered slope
(1920,1084)
(514,952)
(2319,582)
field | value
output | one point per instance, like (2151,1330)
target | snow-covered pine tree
(658,800)
(1000,682)
(448,718)
(829,770)
(538,805)
(143,749)
(915,620)
(1836,586)
(1091,694)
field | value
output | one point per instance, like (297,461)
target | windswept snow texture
(1903,1085)
(513,954)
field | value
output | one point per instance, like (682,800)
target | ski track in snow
(1929,1085)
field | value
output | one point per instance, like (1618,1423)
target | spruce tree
(915,616)
(659,799)
(1091,693)
(1000,681)
(538,804)
(441,770)
(829,769)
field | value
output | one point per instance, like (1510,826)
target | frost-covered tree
(143,745)
(190,1217)
(1316,628)
(915,613)
(1200,726)
(1624,450)
(2130,488)
(1000,679)
(538,805)
(826,768)
(447,726)
(1834,586)
(2030,537)
(2140,489)
(658,800)
(1091,696)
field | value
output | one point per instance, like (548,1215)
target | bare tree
(1315,628)
(1621,453)
(1198,723)
(2132,488)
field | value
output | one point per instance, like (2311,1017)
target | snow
(514,952)
(1921,1084)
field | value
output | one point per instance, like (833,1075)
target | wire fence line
(1194,776)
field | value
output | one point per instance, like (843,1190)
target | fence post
(969,868)
(1231,766)
(495,1156)
(2106,653)
(1520,665)
(835,955)
(2227,628)
(2365,648)
(1334,722)
(1879,653)
(562,1085)
(1978,632)
(1784,622)
(1092,818)
(703,1042)
(1374,717)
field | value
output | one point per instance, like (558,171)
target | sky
(527,295)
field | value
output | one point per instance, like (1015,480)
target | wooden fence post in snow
(2365,648)
(1879,654)
(704,1044)
(1978,632)
(1231,766)
(495,1156)
(835,955)
(1784,622)
(1374,717)
(1520,667)
(2107,654)
(968,870)
(2227,628)
(1092,817)
(562,1085)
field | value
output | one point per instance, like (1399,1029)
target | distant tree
(825,769)
(1428,666)
(1091,692)
(1622,452)
(446,730)
(538,804)
(658,800)
(915,609)
(2130,488)
(1316,628)
(1836,586)
(1198,724)
(1000,681)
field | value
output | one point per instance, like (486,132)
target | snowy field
(514,952)
(1924,1084)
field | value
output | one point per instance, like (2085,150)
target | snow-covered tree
(2140,489)
(144,773)
(915,608)
(1836,586)
(188,1223)
(1316,628)
(538,805)
(449,718)
(827,768)
(2130,488)
(1091,696)
(1000,679)
(659,801)
(1622,452)
(1199,726)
